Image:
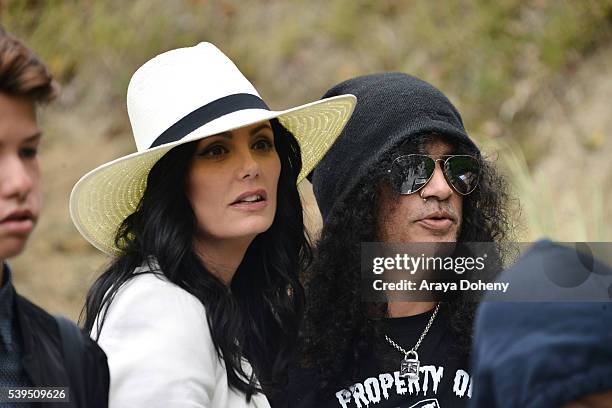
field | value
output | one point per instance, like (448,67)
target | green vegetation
(476,49)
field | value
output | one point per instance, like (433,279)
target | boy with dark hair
(36,349)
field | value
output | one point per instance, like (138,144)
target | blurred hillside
(533,80)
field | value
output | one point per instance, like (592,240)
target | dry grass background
(533,80)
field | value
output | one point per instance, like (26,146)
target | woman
(200,306)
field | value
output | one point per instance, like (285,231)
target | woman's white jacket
(160,351)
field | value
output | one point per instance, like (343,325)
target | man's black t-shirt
(444,380)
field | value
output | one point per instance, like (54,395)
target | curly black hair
(339,328)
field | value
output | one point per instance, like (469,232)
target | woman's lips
(250,206)
(253,195)
(254,200)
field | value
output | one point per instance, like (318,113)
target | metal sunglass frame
(443,158)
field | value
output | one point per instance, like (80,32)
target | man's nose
(15,179)
(437,187)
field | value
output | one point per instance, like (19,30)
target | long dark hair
(339,329)
(258,317)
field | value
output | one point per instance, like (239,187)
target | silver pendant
(410,366)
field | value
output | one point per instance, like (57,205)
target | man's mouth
(18,222)
(439,221)
(20,215)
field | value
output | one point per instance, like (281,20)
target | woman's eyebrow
(260,127)
(227,135)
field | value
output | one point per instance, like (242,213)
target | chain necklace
(410,366)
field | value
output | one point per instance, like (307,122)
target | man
(375,184)
(32,342)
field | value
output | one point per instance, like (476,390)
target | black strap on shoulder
(73,350)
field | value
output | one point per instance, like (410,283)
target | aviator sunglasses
(411,172)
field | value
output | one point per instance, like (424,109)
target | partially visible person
(201,304)
(545,354)
(32,342)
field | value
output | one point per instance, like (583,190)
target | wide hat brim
(102,199)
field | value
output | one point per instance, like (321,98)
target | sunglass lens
(462,173)
(410,173)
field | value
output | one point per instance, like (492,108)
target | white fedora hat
(179,96)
